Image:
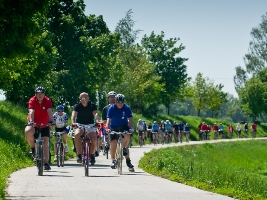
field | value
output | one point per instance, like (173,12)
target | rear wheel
(40,160)
(58,154)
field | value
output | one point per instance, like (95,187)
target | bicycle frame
(86,155)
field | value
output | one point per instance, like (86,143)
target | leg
(29,135)
(78,144)
(92,136)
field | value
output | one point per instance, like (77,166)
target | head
(143,121)
(162,121)
(167,121)
(40,93)
(139,120)
(60,109)
(215,124)
(220,123)
(174,122)
(155,122)
(119,100)
(180,122)
(186,124)
(111,97)
(84,98)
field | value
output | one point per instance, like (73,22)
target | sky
(215,33)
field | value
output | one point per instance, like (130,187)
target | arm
(73,116)
(108,122)
(96,115)
(130,122)
(50,114)
(31,115)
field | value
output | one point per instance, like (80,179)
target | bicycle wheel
(86,160)
(140,141)
(119,158)
(58,154)
(40,160)
(62,155)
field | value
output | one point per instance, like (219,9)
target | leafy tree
(199,93)
(253,98)
(18,27)
(170,67)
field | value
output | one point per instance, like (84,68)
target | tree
(169,66)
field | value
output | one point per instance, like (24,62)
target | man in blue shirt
(119,119)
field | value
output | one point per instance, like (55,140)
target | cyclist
(61,122)
(230,130)
(168,126)
(175,128)
(111,101)
(181,131)
(254,129)
(85,112)
(246,130)
(145,130)
(162,130)
(199,131)
(238,129)
(204,130)
(140,129)
(155,131)
(149,132)
(187,132)
(40,112)
(215,130)
(221,130)
(117,120)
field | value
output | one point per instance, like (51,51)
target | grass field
(236,169)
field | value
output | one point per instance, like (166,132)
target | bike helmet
(119,97)
(112,93)
(139,120)
(40,89)
(60,107)
(155,122)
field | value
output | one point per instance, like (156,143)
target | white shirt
(60,119)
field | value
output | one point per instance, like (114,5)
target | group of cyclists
(160,132)
(205,130)
(116,115)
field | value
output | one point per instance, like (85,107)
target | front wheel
(58,154)
(62,155)
(86,160)
(40,160)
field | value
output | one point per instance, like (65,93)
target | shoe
(96,154)
(47,167)
(66,148)
(79,158)
(129,164)
(55,159)
(113,164)
(92,161)
(125,151)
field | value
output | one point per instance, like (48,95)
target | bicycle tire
(118,158)
(40,161)
(86,160)
(58,155)
(62,152)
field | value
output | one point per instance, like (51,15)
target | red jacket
(230,129)
(204,127)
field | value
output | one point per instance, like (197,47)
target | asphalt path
(103,183)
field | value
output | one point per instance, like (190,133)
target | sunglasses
(83,99)
(60,111)
(119,102)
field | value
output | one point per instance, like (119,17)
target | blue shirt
(119,117)
(168,126)
(181,127)
(187,128)
(155,127)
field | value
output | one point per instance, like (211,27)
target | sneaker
(129,164)
(79,158)
(96,154)
(113,164)
(66,149)
(55,159)
(125,151)
(92,161)
(47,167)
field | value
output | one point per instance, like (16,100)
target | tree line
(56,45)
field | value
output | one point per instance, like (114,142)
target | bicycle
(230,135)
(187,136)
(140,138)
(60,150)
(86,155)
(253,134)
(119,150)
(246,133)
(106,145)
(180,136)
(176,134)
(39,148)
(215,134)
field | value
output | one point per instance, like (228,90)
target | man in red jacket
(40,112)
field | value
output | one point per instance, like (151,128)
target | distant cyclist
(230,130)
(254,129)
(61,122)
(221,130)
(40,112)
(246,130)
(215,130)
(140,129)
(120,119)
(155,131)
(238,129)
(168,126)
(181,131)
(187,129)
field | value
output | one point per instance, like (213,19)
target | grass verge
(236,169)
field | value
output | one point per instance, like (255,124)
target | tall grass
(237,169)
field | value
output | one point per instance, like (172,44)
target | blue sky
(216,33)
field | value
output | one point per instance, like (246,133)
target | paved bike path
(69,182)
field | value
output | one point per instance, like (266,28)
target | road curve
(103,183)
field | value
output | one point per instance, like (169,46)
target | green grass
(236,169)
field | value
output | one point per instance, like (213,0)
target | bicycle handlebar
(121,132)
(38,125)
